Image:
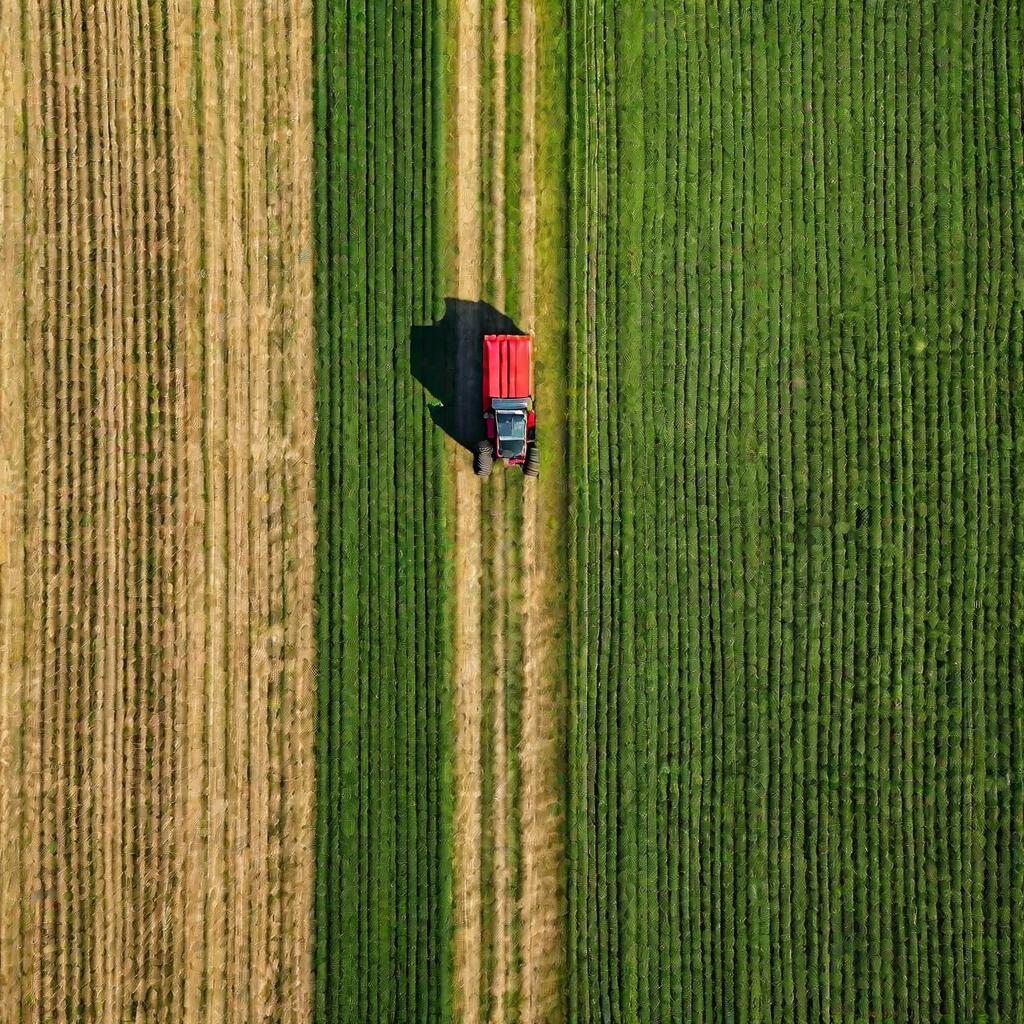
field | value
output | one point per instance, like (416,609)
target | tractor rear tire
(531,467)
(483,460)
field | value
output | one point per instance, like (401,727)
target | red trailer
(509,414)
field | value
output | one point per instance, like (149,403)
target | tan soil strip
(151,257)
(133,501)
(162,923)
(81,539)
(120,897)
(294,730)
(268,794)
(38,297)
(528,163)
(59,681)
(502,894)
(240,347)
(468,684)
(542,738)
(218,452)
(56,293)
(249,926)
(496,75)
(106,878)
(190,568)
(503,825)
(29,992)
(13,497)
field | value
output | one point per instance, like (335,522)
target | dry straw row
(157,568)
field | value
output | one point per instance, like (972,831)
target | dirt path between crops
(508,849)
(486,894)
(502,567)
(468,676)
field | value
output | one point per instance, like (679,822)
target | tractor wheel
(484,458)
(531,467)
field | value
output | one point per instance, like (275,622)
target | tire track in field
(502,566)
(485,891)
(15,247)
(468,549)
(509,738)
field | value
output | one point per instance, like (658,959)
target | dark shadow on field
(447,359)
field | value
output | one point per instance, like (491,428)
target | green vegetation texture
(797,535)
(383,887)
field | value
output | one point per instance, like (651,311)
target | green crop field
(796,696)
(384,818)
(792,781)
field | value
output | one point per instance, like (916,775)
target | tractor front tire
(531,467)
(483,460)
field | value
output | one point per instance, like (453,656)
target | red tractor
(509,414)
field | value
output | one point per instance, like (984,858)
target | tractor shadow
(447,359)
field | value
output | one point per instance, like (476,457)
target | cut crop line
(14,253)
(501,816)
(468,553)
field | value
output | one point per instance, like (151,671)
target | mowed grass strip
(384,803)
(795,334)
(507,868)
(157,514)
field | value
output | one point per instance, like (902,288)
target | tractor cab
(510,418)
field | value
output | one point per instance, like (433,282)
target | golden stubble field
(156,512)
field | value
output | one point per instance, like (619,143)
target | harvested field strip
(796,433)
(464,154)
(15,235)
(384,823)
(156,514)
(507,861)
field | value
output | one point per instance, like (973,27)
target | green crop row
(383,888)
(797,443)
